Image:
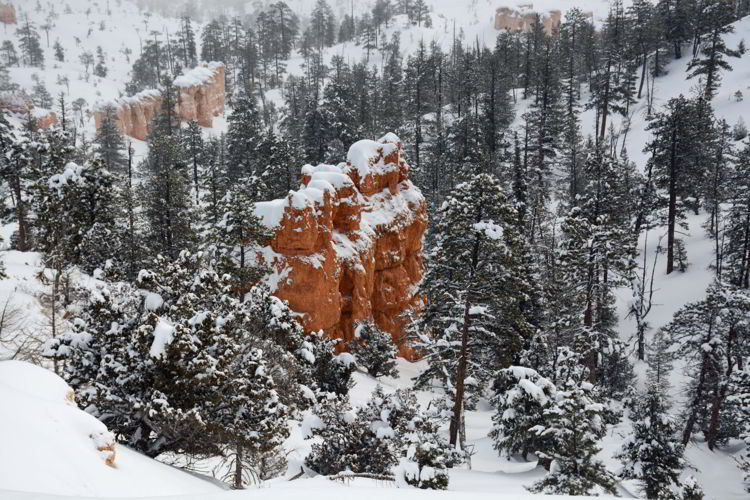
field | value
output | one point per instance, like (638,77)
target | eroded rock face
(21,103)
(522,19)
(348,244)
(200,97)
(8,13)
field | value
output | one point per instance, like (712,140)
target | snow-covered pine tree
(678,127)
(157,367)
(31,49)
(244,135)
(521,397)
(736,251)
(165,193)
(739,411)
(347,442)
(715,19)
(473,279)
(276,167)
(707,332)
(691,489)
(374,350)
(652,454)
(238,235)
(109,141)
(428,455)
(575,426)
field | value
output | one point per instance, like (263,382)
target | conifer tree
(31,49)
(244,135)
(715,18)
(708,333)
(676,153)
(472,279)
(736,250)
(652,454)
(109,141)
(166,197)
(521,397)
(157,367)
(374,350)
(238,235)
(574,425)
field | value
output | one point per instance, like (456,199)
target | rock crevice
(348,245)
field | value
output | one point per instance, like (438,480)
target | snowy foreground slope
(50,446)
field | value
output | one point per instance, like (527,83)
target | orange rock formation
(22,104)
(348,244)
(200,97)
(8,13)
(522,19)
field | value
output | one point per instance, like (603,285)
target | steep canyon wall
(200,97)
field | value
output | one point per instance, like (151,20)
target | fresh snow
(49,446)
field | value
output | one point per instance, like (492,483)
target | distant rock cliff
(200,97)
(8,13)
(348,243)
(522,18)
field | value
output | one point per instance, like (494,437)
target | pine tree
(676,153)
(166,197)
(715,18)
(349,443)
(468,290)
(739,401)
(521,397)
(238,235)
(244,135)
(42,97)
(574,425)
(691,490)
(736,250)
(708,333)
(109,141)
(652,454)
(31,49)
(159,365)
(59,51)
(9,53)
(276,160)
(100,69)
(374,350)
(428,455)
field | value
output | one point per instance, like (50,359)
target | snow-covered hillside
(45,452)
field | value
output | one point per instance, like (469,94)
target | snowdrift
(48,445)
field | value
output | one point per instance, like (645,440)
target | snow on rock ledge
(200,97)
(348,244)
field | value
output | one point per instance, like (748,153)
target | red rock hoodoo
(8,13)
(348,244)
(200,97)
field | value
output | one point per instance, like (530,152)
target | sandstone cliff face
(200,97)
(522,19)
(22,104)
(8,13)
(348,244)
